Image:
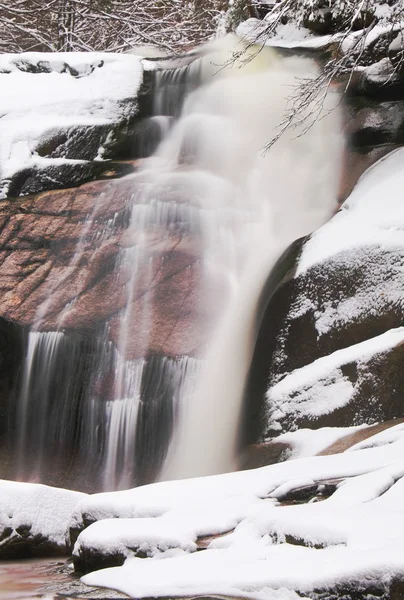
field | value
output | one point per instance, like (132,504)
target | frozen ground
(43,94)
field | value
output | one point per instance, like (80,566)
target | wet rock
(66,262)
(91,559)
(267,453)
(44,260)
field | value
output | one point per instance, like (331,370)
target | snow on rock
(290,35)
(309,442)
(337,318)
(58,109)
(321,387)
(364,220)
(34,519)
(351,540)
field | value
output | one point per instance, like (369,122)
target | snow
(364,220)
(320,387)
(365,238)
(79,89)
(45,509)
(354,538)
(397,45)
(284,36)
(294,35)
(387,25)
(309,442)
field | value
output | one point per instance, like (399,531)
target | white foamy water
(43,345)
(261,203)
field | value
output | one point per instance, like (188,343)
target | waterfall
(206,218)
(273,198)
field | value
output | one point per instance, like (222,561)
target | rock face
(68,265)
(330,347)
(374,120)
(59,256)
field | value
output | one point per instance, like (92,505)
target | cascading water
(211,212)
(273,198)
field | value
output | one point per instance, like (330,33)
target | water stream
(212,189)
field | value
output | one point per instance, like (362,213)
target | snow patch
(373,215)
(309,442)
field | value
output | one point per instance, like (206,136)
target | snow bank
(34,517)
(352,540)
(45,93)
(290,35)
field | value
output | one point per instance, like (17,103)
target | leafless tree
(113,25)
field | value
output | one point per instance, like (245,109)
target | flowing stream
(211,186)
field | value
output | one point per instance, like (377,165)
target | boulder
(381,80)
(330,346)
(78,113)
(34,520)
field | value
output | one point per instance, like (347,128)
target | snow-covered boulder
(321,526)
(34,519)
(59,114)
(382,80)
(332,334)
